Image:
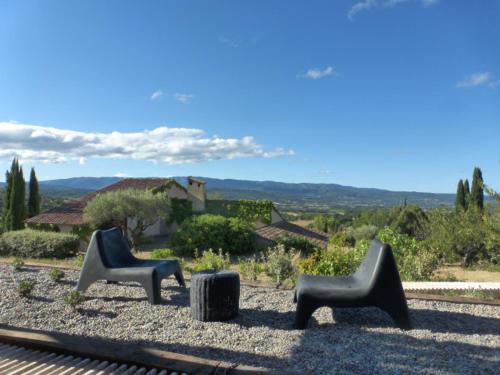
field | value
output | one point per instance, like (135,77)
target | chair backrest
(374,261)
(114,249)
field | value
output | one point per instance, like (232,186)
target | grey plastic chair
(109,258)
(375,283)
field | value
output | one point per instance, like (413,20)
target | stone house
(69,215)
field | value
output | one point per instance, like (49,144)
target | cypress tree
(15,209)
(466,193)
(34,195)
(477,191)
(6,201)
(460,197)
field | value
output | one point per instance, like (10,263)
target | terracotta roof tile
(71,212)
(273,231)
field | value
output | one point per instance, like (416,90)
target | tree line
(16,209)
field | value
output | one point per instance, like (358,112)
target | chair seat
(331,288)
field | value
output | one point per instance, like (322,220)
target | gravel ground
(448,338)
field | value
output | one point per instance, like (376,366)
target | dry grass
(462,274)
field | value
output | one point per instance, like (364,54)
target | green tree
(466,193)
(412,221)
(34,195)
(14,211)
(460,197)
(132,210)
(477,191)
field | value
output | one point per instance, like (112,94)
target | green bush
(336,261)
(280,264)
(17,264)
(162,254)
(25,287)
(298,243)
(210,260)
(415,260)
(29,243)
(250,268)
(56,274)
(213,232)
(363,232)
(74,299)
(342,239)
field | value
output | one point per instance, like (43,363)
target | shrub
(363,232)
(280,263)
(38,244)
(301,244)
(213,232)
(56,274)
(342,239)
(25,287)
(336,261)
(74,298)
(251,268)
(162,254)
(415,261)
(211,261)
(17,264)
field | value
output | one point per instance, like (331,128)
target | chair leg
(84,282)
(303,314)
(153,291)
(180,278)
(399,315)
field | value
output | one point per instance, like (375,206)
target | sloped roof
(273,231)
(71,212)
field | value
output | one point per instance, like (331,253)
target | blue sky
(395,94)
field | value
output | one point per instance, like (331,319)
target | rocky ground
(447,339)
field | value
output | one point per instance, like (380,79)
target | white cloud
(82,160)
(121,175)
(316,73)
(228,42)
(475,79)
(183,98)
(43,144)
(369,4)
(360,7)
(156,95)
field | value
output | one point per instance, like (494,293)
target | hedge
(30,243)
(204,232)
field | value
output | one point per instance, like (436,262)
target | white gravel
(448,338)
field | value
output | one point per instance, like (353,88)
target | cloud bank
(42,144)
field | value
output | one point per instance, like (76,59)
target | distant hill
(321,197)
(304,196)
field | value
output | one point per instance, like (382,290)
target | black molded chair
(109,258)
(375,283)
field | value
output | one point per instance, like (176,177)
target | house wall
(65,228)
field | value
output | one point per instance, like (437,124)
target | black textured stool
(215,295)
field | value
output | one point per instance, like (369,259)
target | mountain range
(297,196)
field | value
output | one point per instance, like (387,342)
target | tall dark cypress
(15,209)
(6,201)
(466,193)
(477,191)
(34,195)
(460,197)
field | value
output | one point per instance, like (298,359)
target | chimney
(197,193)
